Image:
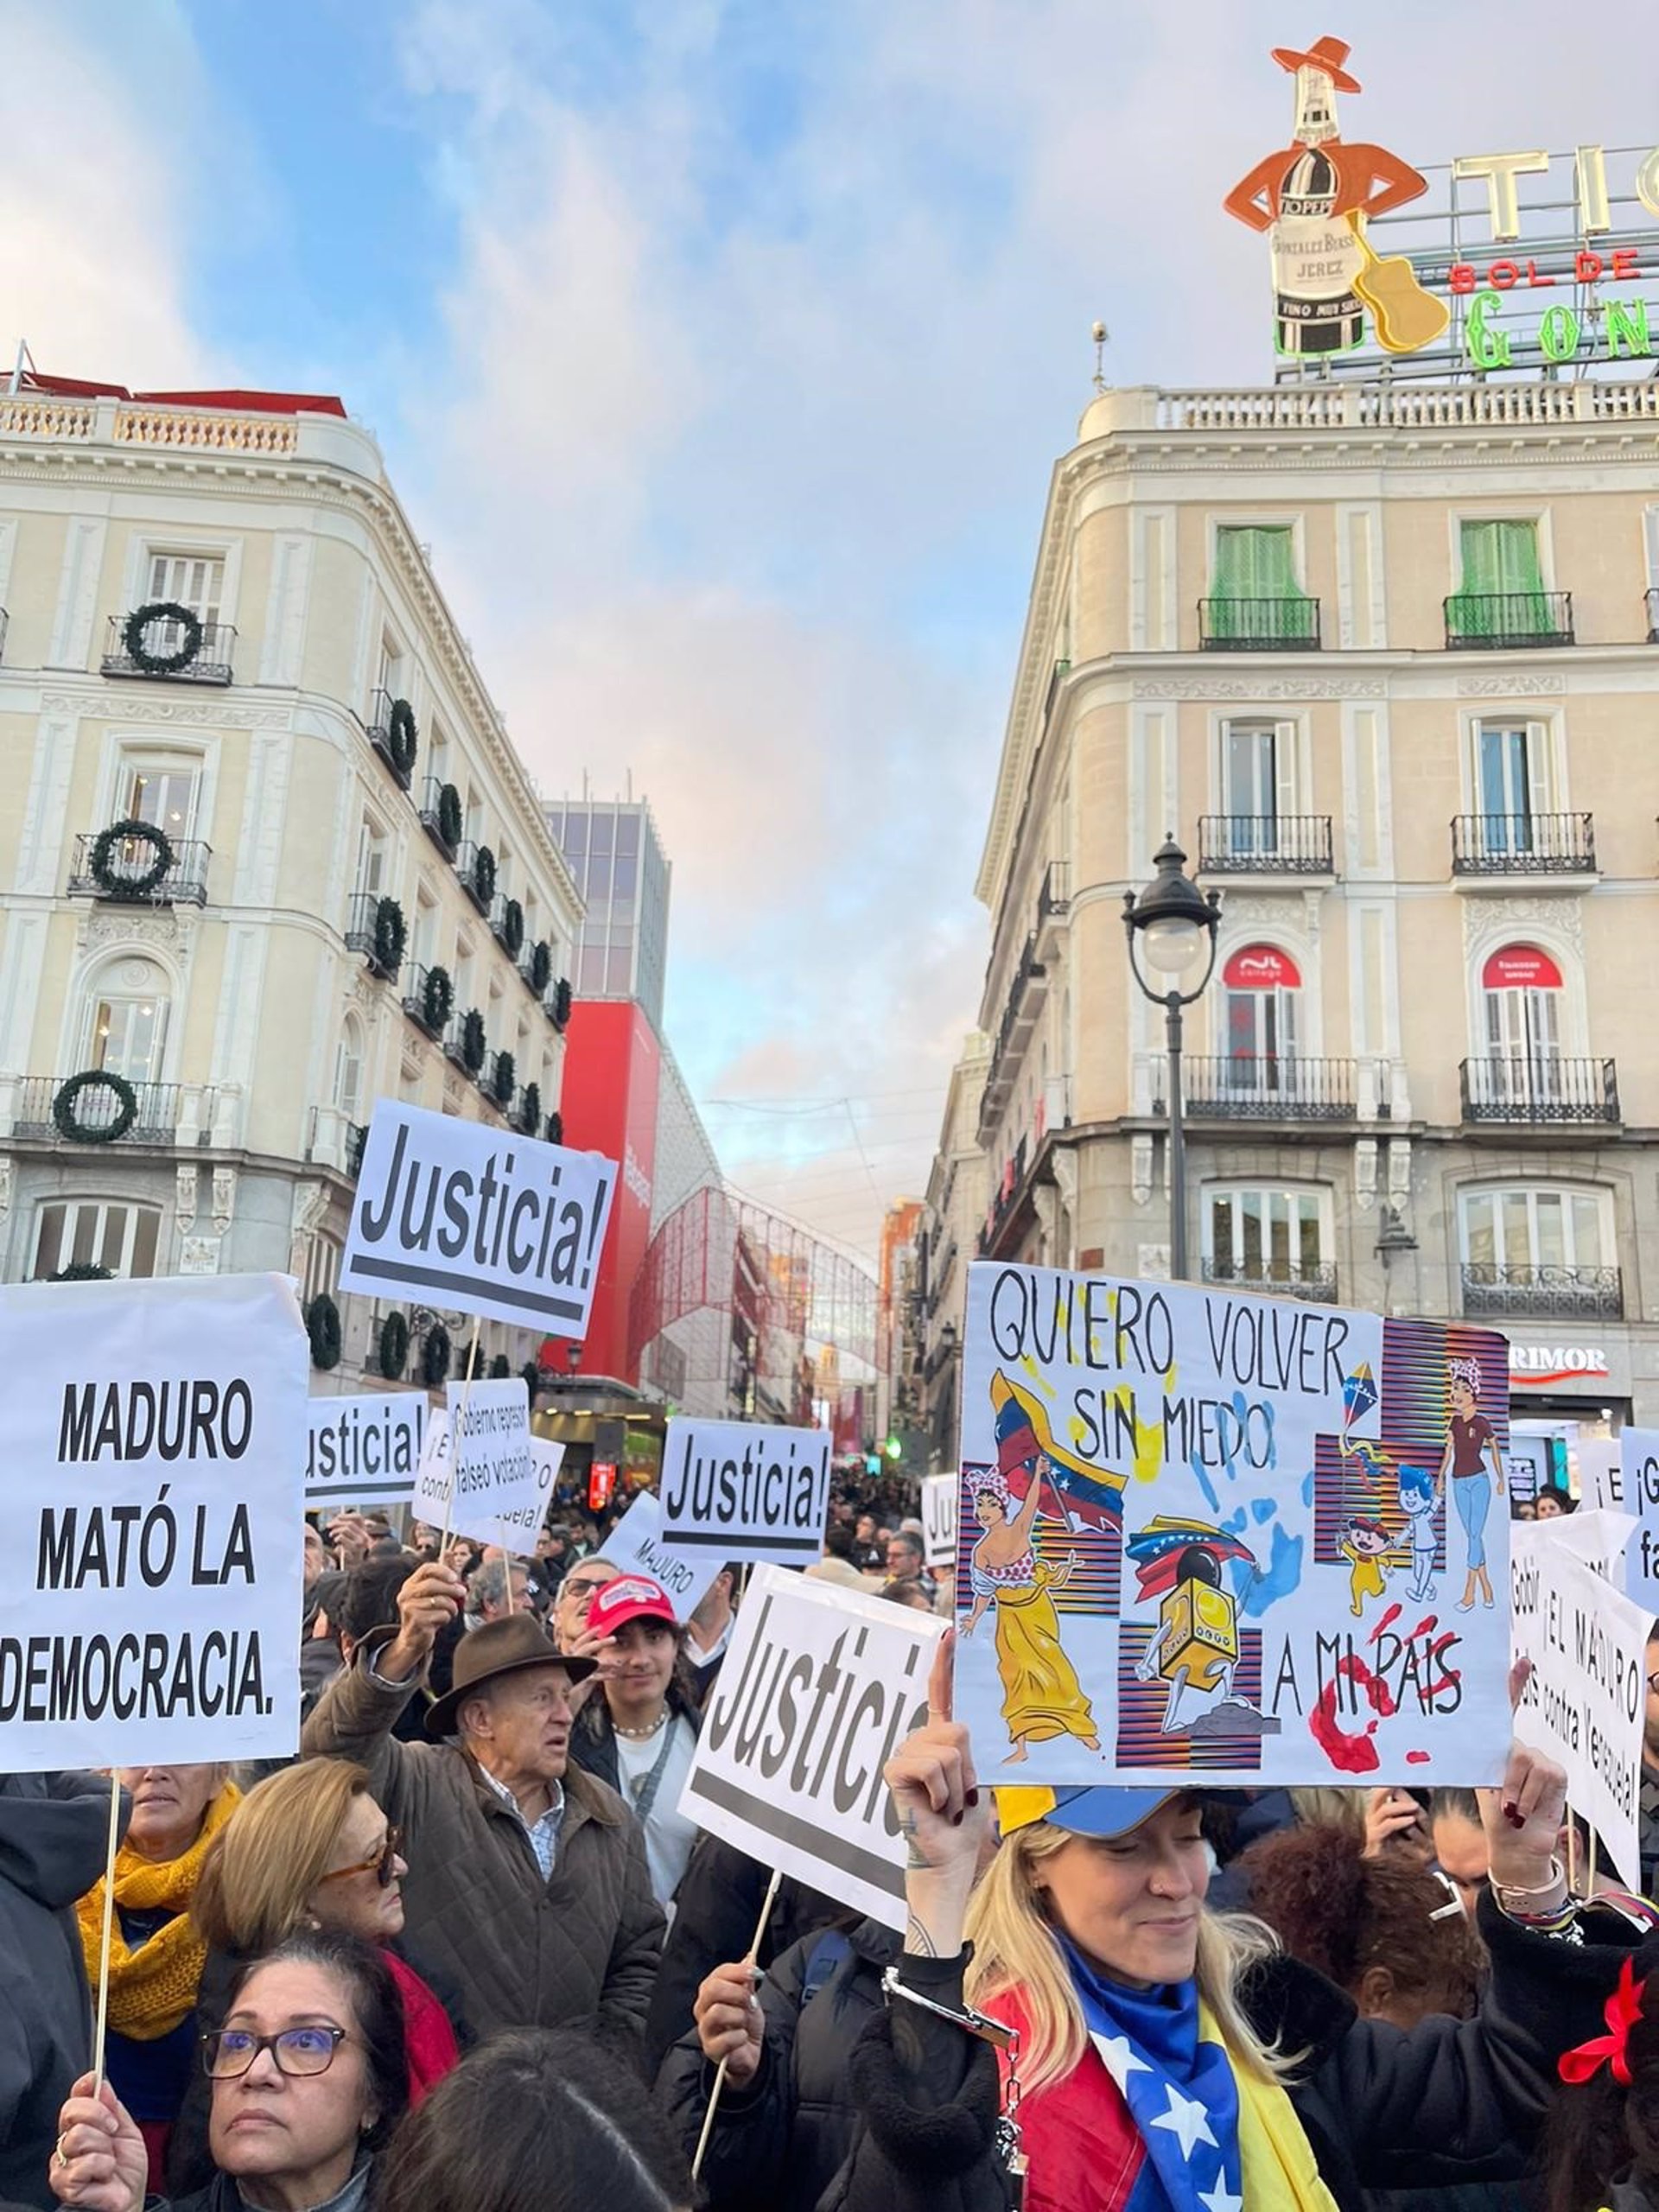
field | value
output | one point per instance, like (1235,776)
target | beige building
(1386,660)
(952,1218)
(267,851)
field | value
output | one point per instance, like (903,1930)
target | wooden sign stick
(101,2023)
(455,1428)
(719,2077)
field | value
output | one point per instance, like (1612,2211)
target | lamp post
(573,1356)
(1175,924)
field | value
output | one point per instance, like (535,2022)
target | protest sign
(364,1450)
(939,1520)
(819,1688)
(471,1216)
(1601,1477)
(636,1546)
(745,1492)
(1639,1466)
(1205,1533)
(150,1515)
(547,1458)
(1601,1539)
(499,1493)
(1586,1697)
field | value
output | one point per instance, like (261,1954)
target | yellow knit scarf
(153,1988)
(1276,2163)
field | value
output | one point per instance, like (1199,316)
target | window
(463,974)
(1521,988)
(1535,1227)
(426,927)
(1263,1236)
(590,972)
(161,789)
(321,1267)
(348,1069)
(194,579)
(1262,999)
(1500,591)
(129,1023)
(1254,594)
(92,1233)
(1258,771)
(1514,783)
(370,856)
(389,667)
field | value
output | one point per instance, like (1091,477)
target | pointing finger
(941,1682)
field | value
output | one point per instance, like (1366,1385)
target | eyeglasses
(381,1863)
(228,2052)
(587,1591)
(1653,1684)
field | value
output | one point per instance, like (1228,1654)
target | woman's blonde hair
(1331,1808)
(1015,1947)
(271,1854)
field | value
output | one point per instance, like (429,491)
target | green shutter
(1502,591)
(1255,593)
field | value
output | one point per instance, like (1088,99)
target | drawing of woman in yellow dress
(1041,1695)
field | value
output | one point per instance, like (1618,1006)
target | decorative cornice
(1259,687)
(221,712)
(1543,684)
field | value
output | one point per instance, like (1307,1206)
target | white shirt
(668,1837)
(544,1833)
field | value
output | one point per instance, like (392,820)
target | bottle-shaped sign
(1315,258)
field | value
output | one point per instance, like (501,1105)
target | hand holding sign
(940,1816)
(428,1602)
(100,2161)
(731,2026)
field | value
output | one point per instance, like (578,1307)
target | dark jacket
(53,1834)
(521,1952)
(714,1916)
(1370,2097)
(592,1735)
(779,2141)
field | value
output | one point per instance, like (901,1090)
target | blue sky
(722,351)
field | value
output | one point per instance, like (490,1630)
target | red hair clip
(1624,2011)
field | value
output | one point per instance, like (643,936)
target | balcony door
(1501,592)
(1258,792)
(1513,784)
(1521,989)
(1255,595)
(1262,1006)
(129,1023)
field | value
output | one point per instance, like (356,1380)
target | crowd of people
(466,1951)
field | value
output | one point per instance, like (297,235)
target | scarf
(1214,2138)
(153,1985)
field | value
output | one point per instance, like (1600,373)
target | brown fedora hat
(499,1648)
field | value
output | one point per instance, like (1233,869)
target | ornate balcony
(129,871)
(1523,844)
(1274,1279)
(1251,1087)
(477,881)
(429,998)
(1539,1090)
(368,931)
(1507,621)
(390,730)
(1259,625)
(1548,1292)
(170,652)
(1265,844)
(99,1111)
(441,815)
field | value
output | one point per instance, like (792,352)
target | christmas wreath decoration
(512,929)
(67,1121)
(541,967)
(450,819)
(562,1004)
(502,1079)
(483,878)
(500,1368)
(322,1327)
(389,936)
(82,1271)
(403,738)
(437,998)
(530,1109)
(393,1352)
(532,1377)
(556,1127)
(125,885)
(162,610)
(434,1357)
(474,1044)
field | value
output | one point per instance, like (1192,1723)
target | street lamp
(1176,925)
(573,1355)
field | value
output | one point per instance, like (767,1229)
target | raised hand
(935,1791)
(729,2021)
(100,2162)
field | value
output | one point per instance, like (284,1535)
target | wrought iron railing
(1523,844)
(1055,896)
(378,731)
(1494,620)
(5,620)
(415,998)
(1277,1278)
(1260,626)
(357,1135)
(1270,1087)
(467,869)
(1539,1089)
(363,933)
(164,640)
(99,1109)
(132,860)
(1567,1293)
(1265,844)
(431,813)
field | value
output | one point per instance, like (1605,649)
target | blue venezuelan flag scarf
(1181,2092)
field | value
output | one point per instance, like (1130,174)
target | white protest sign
(150,1519)
(745,1492)
(1587,1699)
(1600,1539)
(819,1688)
(1228,1536)
(939,1519)
(364,1450)
(500,1494)
(1601,1478)
(547,1458)
(636,1546)
(466,1216)
(1639,1463)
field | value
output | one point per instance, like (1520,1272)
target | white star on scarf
(1185,2121)
(1221,2198)
(1120,2060)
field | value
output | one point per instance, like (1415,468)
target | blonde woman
(1168,2060)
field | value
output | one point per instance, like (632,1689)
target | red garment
(432,2046)
(1370,180)
(1084,2151)
(156,2134)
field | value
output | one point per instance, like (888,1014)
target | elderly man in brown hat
(528,1886)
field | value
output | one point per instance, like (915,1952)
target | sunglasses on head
(382,1864)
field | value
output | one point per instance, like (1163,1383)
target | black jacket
(714,1914)
(54,1833)
(779,2142)
(1372,2098)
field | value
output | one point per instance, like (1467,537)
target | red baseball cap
(630,1597)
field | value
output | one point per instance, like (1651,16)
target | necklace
(642,1735)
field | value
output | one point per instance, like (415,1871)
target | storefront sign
(1261,968)
(1519,968)
(1550,1367)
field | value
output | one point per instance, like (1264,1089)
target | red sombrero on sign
(1326,53)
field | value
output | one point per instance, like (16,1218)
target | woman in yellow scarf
(155,1954)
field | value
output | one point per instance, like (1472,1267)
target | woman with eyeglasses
(309,2078)
(309,1847)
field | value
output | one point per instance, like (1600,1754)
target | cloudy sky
(721,348)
